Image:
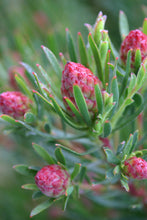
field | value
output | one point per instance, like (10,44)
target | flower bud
(136,168)
(133,41)
(52,180)
(14,104)
(76,73)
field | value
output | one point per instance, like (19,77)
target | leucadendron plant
(79,109)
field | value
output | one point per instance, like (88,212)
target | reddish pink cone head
(76,73)
(14,104)
(134,40)
(52,180)
(136,168)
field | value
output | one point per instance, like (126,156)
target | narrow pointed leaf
(9,119)
(53,61)
(114,89)
(65,202)
(125,80)
(70,45)
(37,195)
(124,183)
(74,109)
(30,186)
(59,156)
(145,26)
(103,52)
(134,142)
(128,146)
(132,83)
(111,157)
(76,170)
(29,74)
(63,60)
(82,173)
(99,99)
(107,68)
(137,59)
(25,170)
(81,103)
(23,86)
(107,129)
(82,50)
(43,153)
(41,207)
(76,153)
(140,77)
(63,116)
(45,100)
(123,25)
(97,58)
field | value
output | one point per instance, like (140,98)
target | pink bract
(52,180)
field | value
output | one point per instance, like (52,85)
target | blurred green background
(25,25)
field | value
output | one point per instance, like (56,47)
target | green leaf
(107,129)
(30,186)
(132,83)
(29,118)
(97,57)
(82,173)
(76,153)
(45,100)
(37,195)
(25,170)
(145,26)
(111,157)
(63,116)
(111,177)
(120,149)
(107,68)
(41,207)
(76,170)
(81,103)
(115,90)
(103,52)
(99,99)
(53,61)
(140,77)
(74,110)
(124,183)
(127,148)
(123,25)
(9,119)
(82,50)
(23,86)
(69,190)
(125,79)
(43,153)
(137,59)
(59,156)
(70,45)
(134,141)
(29,74)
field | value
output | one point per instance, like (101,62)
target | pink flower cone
(135,40)
(76,73)
(52,180)
(136,168)
(14,104)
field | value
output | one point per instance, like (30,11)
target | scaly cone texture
(136,168)
(14,104)
(52,180)
(76,73)
(134,40)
